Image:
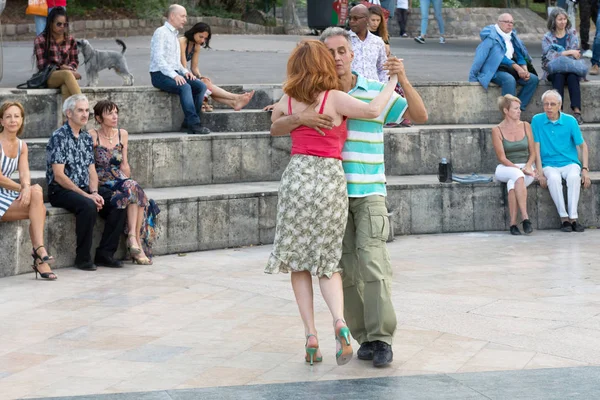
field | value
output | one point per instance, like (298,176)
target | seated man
(502,58)
(73,185)
(557,138)
(168,74)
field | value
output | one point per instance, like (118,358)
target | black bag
(511,70)
(39,79)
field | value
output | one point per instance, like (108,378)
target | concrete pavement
(237,59)
(480,315)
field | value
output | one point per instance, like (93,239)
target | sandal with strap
(342,336)
(46,259)
(311,352)
(37,261)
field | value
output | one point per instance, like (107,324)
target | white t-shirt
(402,4)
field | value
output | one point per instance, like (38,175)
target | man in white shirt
(369,49)
(169,75)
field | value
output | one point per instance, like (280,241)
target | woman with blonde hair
(21,200)
(513,143)
(312,208)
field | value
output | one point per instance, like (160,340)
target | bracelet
(586,168)
(94,192)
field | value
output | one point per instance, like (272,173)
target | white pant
(572,174)
(510,175)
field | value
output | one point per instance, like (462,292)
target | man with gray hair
(167,73)
(73,185)
(367,271)
(557,139)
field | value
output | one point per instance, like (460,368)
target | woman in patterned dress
(114,172)
(21,200)
(312,207)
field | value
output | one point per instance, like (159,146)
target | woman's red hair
(310,71)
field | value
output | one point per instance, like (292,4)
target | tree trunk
(291,22)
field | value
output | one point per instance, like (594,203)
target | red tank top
(309,142)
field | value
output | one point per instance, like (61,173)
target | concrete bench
(217,216)
(146,109)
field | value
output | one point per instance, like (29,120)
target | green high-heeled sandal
(344,354)
(311,352)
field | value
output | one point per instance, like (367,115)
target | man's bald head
(359,10)
(176,16)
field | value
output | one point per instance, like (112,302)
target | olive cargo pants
(367,271)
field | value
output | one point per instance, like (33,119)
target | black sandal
(51,276)
(46,259)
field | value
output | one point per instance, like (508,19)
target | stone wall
(467,22)
(137,27)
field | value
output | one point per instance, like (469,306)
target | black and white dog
(97,60)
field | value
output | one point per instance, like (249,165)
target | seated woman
(562,40)
(54,46)
(313,203)
(114,172)
(190,44)
(21,200)
(515,150)
(378,26)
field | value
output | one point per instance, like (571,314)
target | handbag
(568,65)
(39,79)
(37,7)
(369,4)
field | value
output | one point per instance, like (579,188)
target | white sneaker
(442,40)
(587,54)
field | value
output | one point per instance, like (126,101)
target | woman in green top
(514,147)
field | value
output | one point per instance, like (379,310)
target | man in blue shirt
(557,140)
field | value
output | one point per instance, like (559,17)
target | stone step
(179,159)
(218,216)
(145,109)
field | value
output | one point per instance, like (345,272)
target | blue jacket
(490,54)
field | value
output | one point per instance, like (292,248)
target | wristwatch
(586,168)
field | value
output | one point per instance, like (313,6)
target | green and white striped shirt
(362,155)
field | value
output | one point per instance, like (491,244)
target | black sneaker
(514,230)
(577,227)
(365,352)
(566,227)
(578,118)
(85,265)
(420,39)
(382,355)
(527,226)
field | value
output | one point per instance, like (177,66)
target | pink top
(56,3)
(309,142)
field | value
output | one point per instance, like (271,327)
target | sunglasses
(61,24)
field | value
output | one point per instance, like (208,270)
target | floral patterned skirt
(126,192)
(312,212)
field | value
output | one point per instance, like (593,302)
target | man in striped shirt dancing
(367,274)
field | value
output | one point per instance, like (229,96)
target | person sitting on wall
(190,44)
(73,185)
(20,201)
(557,140)
(515,150)
(502,58)
(167,73)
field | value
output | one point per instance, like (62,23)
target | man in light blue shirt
(169,75)
(557,138)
